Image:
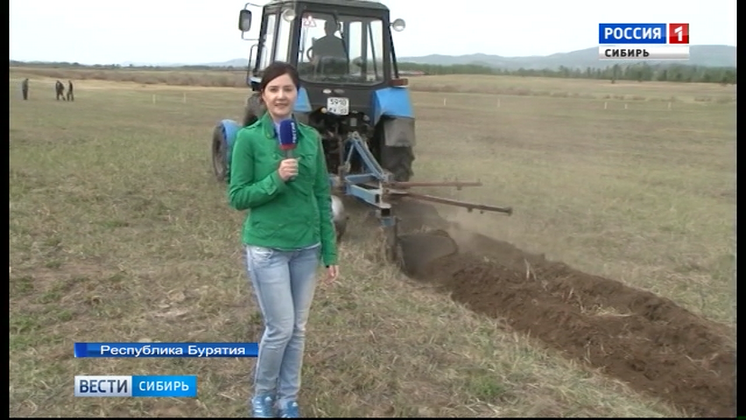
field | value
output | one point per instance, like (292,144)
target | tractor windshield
(346,49)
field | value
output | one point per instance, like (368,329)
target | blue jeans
(284,283)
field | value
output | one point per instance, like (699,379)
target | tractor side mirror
(244,20)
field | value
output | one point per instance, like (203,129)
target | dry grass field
(119,232)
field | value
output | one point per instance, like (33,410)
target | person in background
(329,53)
(287,231)
(70,95)
(60,90)
(24,89)
(329,45)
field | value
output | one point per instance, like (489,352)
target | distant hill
(701,55)
(238,62)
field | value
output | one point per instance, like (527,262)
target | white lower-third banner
(643,52)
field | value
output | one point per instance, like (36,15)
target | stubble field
(118,232)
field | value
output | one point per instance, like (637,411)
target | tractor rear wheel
(219,154)
(398,161)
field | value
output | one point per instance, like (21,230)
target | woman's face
(279,96)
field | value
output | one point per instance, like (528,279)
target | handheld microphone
(288,137)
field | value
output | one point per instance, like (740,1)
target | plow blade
(414,251)
(417,250)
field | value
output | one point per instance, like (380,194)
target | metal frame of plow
(375,185)
(369,187)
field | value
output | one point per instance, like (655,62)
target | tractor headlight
(398,25)
(288,14)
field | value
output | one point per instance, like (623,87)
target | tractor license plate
(338,106)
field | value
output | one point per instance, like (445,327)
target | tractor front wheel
(254,109)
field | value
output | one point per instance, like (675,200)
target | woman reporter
(287,231)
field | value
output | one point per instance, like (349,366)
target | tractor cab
(350,85)
(335,45)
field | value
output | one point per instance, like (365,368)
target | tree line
(641,72)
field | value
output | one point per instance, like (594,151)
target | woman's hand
(332,273)
(288,169)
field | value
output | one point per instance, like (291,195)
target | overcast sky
(201,31)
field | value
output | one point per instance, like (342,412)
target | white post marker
(606,105)
(444,101)
(154,98)
(498,102)
(625,106)
(669,106)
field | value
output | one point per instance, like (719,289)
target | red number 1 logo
(678,33)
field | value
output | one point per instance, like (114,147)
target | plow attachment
(414,251)
(411,251)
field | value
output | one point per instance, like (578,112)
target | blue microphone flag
(288,136)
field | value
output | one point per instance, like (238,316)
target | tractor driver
(329,53)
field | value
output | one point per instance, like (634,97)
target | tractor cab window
(282,44)
(345,49)
(269,41)
(276,45)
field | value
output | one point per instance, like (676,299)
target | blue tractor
(352,94)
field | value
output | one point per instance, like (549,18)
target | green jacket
(282,215)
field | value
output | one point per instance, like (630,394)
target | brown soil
(642,339)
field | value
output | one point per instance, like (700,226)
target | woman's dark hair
(271,72)
(277,69)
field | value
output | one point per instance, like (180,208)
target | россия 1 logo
(643,41)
